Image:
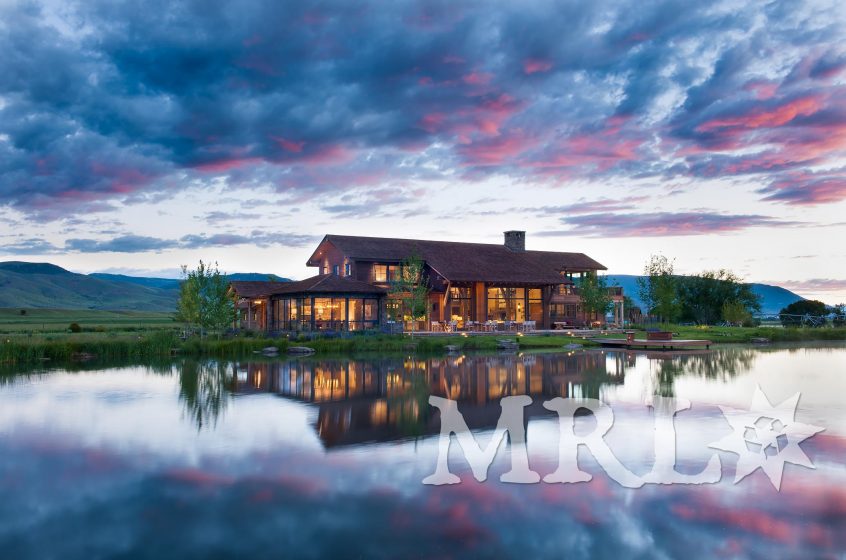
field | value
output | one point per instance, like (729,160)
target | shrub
(75,328)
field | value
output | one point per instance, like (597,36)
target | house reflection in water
(387,398)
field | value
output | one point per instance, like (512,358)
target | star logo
(766,437)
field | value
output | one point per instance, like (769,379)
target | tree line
(706,298)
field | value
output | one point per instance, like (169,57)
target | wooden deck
(675,344)
(576,333)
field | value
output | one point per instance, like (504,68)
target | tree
(735,313)
(204,298)
(657,288)
(595,295)
(839,319)
(410,289)
(705,297)
(805,312)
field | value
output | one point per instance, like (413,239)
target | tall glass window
(330,313)
(506,304)
(535,303)
(460,306)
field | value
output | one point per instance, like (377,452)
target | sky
(137,138)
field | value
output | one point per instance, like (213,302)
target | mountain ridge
(48,286)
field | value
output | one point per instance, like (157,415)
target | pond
(318,457)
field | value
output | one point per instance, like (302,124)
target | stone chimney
(515,241)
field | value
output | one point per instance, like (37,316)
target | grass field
(43,335)
(58,321)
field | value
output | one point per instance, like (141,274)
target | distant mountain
(139,280)
(30,285)
(773,298)
(32,268)
(171,283)
(45,285)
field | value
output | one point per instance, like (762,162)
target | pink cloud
(432,122)
(762,90)
(477,78)
(535,65)
(494,151)
(805,188)
(768,117)
(289,145)
(813,285)
(226,164)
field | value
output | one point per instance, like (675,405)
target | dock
(674,344)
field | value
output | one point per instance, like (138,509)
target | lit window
(380,273)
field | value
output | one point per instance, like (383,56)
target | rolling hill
(773,298)
(47,286)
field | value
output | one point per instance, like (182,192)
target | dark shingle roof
(255,288)
(468,262)
(323,283)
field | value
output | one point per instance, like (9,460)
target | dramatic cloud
(104,103)
(808,188)
(661,224)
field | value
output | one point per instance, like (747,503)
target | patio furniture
(437,326)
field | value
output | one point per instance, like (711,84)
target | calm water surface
(325,458)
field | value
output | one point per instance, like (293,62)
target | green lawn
(58,320)
(747,334)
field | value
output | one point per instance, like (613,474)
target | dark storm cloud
(120,102)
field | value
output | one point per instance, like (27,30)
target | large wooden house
(472,285)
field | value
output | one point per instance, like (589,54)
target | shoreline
(159,344)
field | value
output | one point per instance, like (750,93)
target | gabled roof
(323,283)
(466,262)
(255,288)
